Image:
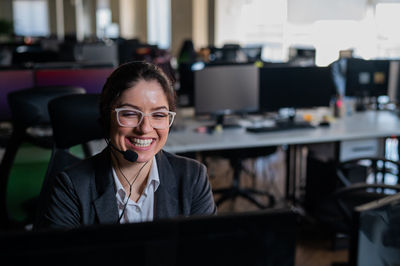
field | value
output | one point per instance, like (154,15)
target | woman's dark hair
(126,76)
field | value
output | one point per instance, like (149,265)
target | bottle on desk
(343,107)
(338,107)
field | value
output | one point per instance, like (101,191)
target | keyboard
(280,126)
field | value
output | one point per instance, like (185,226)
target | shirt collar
(153,177)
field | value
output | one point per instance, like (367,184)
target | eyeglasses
(129,117)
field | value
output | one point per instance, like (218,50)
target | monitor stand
(290,122)
(360,104)
(220,124)
(281,124)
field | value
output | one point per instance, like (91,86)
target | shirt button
(137,209)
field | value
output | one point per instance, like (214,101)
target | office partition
(91,79)
(12,80)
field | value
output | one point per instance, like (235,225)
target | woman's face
(146,141)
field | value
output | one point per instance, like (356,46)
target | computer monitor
(295,87)
(226,89)
(253,53)
(91,79)
(376,237)
(98,53)
(12,80)
(266,237)
(366,78)
(185,91)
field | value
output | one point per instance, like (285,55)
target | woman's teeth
(141,142)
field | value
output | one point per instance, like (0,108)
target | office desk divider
(91,79)
(13,80)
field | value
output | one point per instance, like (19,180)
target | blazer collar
(166,196)
(104,202)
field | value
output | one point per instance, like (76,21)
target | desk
(360,125)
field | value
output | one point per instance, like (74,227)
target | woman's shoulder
(88,166)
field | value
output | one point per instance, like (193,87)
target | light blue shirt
(143,209)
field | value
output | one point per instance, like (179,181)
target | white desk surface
(361,125)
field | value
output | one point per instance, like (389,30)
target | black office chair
(31,123)
(75,121)
(236,158)
(359,181)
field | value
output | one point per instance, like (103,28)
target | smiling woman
(133,179)
(144,96)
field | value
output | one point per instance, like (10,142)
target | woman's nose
(145,125)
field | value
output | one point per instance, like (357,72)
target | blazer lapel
(105,203)
(166,196)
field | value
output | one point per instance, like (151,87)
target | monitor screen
(367,77)
(185,92)
(12,80)
(295,87)
(226,89)
(376,240)
(91,79)
(265,237)
(253,53)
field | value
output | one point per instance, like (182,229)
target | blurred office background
(280,27)
(47,34)
(49,40)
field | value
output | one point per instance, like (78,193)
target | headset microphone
(129,155)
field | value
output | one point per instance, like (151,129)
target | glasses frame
(170,113)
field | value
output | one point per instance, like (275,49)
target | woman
(133,179)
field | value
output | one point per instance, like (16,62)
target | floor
(314,248)
(316,251)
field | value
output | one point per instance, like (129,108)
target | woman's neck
(132,174)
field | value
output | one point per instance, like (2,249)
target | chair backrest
(75,121)
(376,234)
(29,106)
(360,181)
(372,170)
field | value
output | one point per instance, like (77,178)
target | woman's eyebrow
(159,108)
(128,105)
(137,107)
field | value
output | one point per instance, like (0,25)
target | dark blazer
(84,194)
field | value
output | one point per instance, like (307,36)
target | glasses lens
(160,120)
(132,118)
(129,118)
